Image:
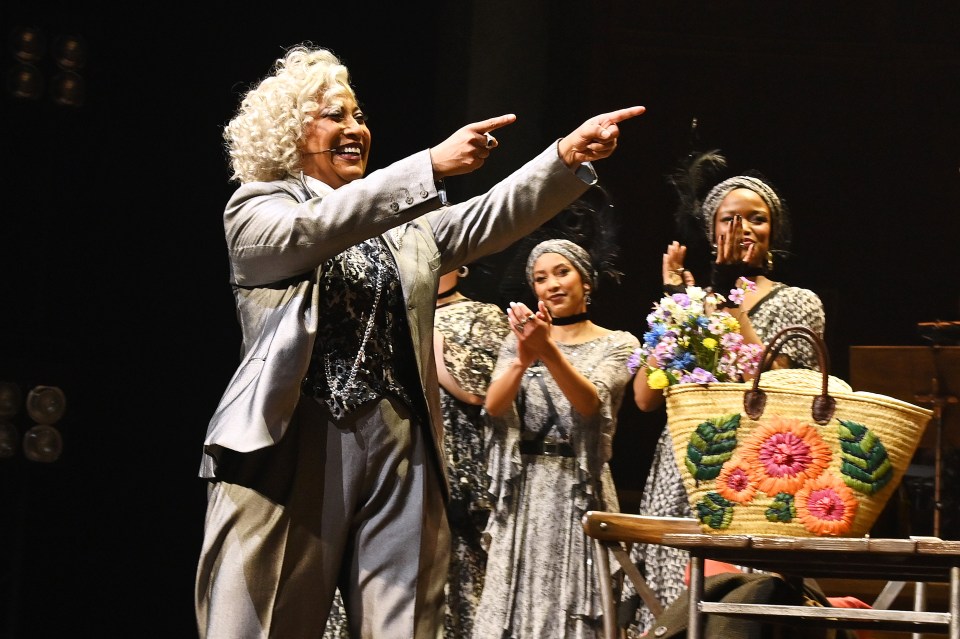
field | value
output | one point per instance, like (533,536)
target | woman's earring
(586,297)
(769,262)
(463,271)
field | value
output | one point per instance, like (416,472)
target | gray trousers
(356,504)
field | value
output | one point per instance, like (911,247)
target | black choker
(447,293)
(571,319)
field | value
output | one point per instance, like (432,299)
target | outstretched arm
(469,146)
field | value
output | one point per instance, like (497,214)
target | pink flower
(826,506)
(784,454)
(734,481)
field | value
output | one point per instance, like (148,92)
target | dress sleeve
(791,307)
(501,434)
(611,376)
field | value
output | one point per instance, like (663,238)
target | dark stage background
(114,273)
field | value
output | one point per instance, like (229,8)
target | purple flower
(634,361)
(698,376)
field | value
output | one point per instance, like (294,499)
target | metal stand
(939,363)
(937,401)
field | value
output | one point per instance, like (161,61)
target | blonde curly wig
(264,137)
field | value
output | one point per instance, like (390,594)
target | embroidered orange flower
(784,454)
(734,482)
(826,506)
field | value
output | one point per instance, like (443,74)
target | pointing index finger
(492,124)
(620,115)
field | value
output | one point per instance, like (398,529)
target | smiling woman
(552,405)
(325,455)
(747,221)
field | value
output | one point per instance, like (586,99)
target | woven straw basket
(793,453)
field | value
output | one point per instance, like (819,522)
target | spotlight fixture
(9,400)
(27,44)
(25,81)
(8,439)
(70,53)
(9,407)
(46,404)
(37,67)
(42,443)
(67,89)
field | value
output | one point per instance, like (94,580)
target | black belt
(547,449)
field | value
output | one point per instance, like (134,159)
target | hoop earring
(463,271)
(586,297)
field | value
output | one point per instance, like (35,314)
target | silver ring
(679,271)
(490,140)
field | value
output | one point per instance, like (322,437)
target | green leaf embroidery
(865,465)
(715,511)
(783,509)
(710,445)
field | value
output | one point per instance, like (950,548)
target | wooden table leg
(954,606)
(606,589)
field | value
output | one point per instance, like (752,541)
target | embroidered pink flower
(734,482)
(784,454)
(826,506)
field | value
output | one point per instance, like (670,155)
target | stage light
(25,81)
(67,89)
(9,400)
(8,439)
(35,69)
(70,53)
(42,443)
(46,404)
(9,407)
(27,44)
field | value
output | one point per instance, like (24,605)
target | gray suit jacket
(279,233)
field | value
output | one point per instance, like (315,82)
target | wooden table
(918,559)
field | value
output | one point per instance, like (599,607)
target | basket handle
(755,399)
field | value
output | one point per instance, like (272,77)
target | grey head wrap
(708,210)
(573,252)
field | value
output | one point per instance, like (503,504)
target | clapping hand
(532,329)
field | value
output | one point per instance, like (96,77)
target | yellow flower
(709,343)
(730,323)
(657,379)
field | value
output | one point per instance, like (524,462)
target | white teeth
(350,149)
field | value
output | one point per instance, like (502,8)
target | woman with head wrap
(747,222)
(552,406)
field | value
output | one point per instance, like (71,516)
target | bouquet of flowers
(693,340)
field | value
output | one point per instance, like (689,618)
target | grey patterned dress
(664,495)
(472,335)
(541,581)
